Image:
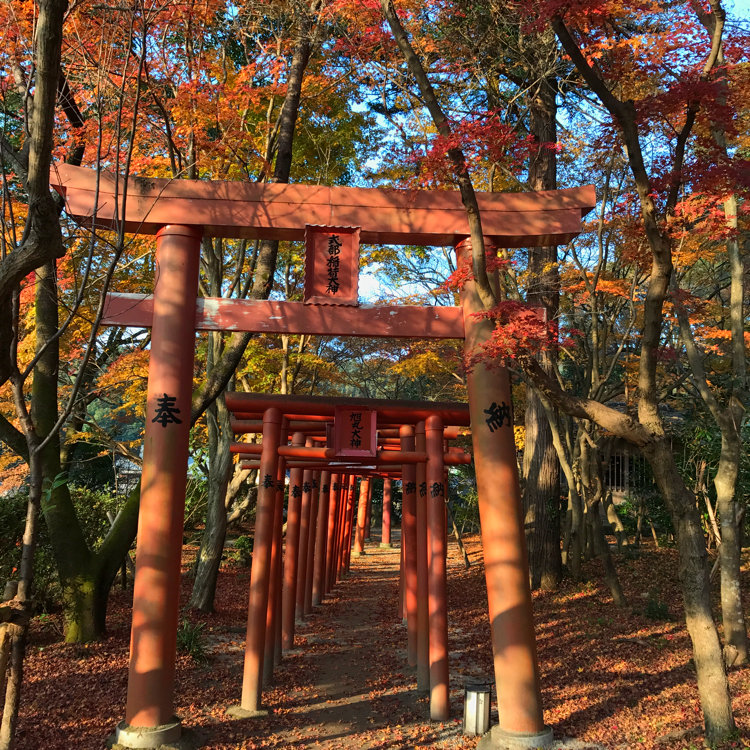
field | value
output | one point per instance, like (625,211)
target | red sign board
(355,432)
(331,265)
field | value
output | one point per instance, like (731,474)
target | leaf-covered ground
(612,678)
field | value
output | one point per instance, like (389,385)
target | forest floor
(611,678)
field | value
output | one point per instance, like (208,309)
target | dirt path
(360,693)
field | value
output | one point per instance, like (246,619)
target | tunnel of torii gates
(332,221)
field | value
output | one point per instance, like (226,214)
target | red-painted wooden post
(260,571)
(436,549)
(279,531)
(331,533)
(503,541)
(274,613)
(368,513)
(409,543)
(446,484)
(291,553)
(332,561)
(304,538)
(343,515)
(349,523)
(319,566)
(401,612)
(311,541)
(156,589)
(423,652)
(359,539)
(385,534)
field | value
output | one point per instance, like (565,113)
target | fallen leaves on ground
(610,677)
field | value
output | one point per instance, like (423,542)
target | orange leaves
(581,284)
(124,383)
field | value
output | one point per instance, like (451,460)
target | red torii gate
(266,635)
(179,213)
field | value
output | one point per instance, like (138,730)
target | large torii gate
(180,213)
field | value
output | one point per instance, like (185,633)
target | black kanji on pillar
(166,411)
(496,415)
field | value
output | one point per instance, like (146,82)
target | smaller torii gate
(180,213)
(357,440)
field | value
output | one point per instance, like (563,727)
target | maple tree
(617,79)
(658,188)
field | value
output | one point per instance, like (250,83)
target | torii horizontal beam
(277,316)
(276,211)
(389,410)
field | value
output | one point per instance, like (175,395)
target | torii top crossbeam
(275,211)
(389,410)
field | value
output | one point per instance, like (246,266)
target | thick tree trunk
(732,611)
(73,558)
(541,469)
(693,572)
(212,542)
(541,498)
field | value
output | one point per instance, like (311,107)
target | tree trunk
(16,628)
(593,489)
(212,542)
(601,548)
(732,614)
(541,469)
(13,687)
(72,556)
(614,521)
(693,572)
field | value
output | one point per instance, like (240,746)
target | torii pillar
(149,716)
(385,524)
(359,537)
(506,566)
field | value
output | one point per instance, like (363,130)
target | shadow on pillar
(518,699)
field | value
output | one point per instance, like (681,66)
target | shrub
(655,608)
(91,508)
(192,641)
(243,546)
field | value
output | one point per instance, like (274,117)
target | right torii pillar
(519,703)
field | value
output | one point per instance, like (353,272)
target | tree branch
(622,425)
(455,154)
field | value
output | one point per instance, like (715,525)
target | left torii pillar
(149,715)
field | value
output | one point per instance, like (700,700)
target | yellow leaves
(424,363)
(127,377)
